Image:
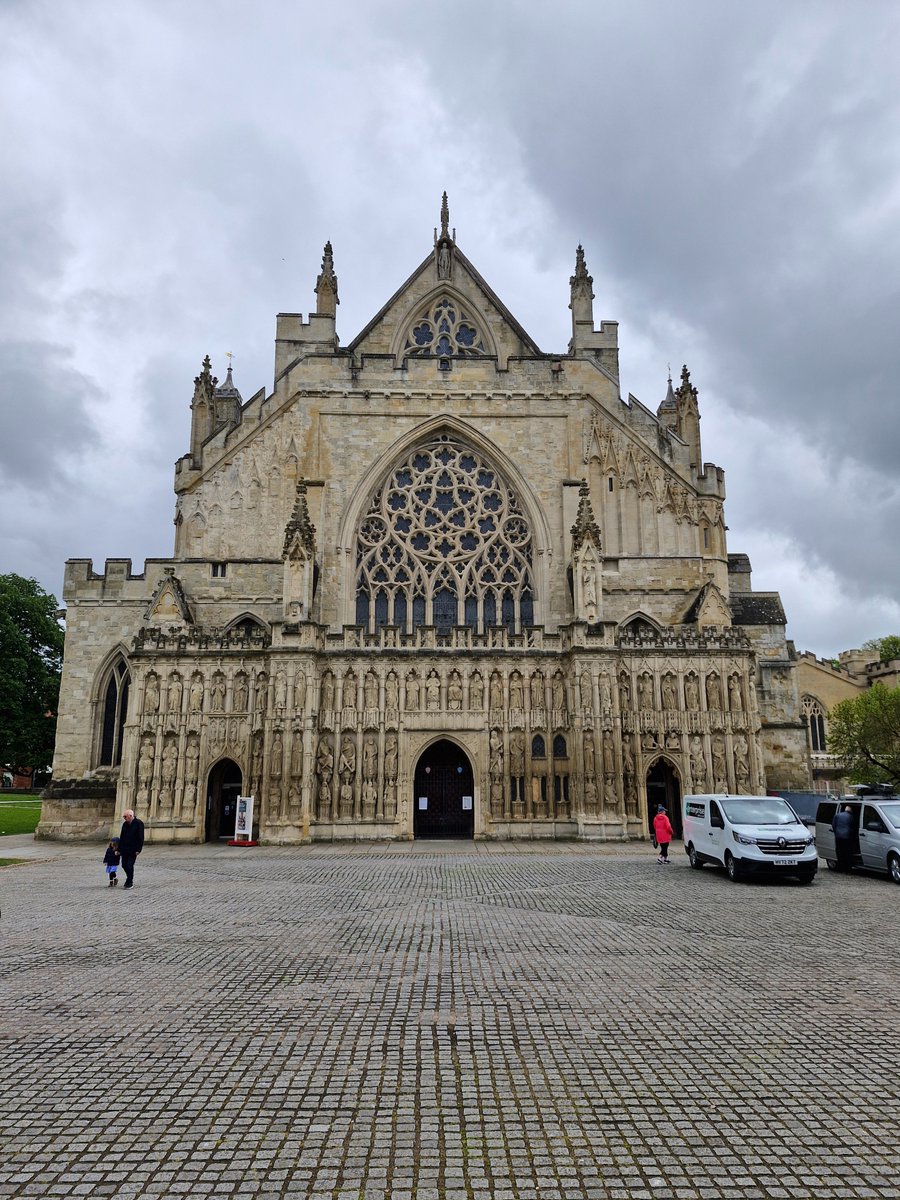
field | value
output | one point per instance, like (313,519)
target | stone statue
(218,692)
(496,765)
(691,693)
(496,692)
(324,808)
(241,692)
(589,755)
(169,766)
(741,761)
(173,698)
(454,692)
(433,691)
(347,762)
(537,691)
(196,694)
(517,754)
(588,586)
(192,758)
(698,763)
(609,757)
(669,694)
(476,692)
(605,694)
(256,759)
(720,775)
(624,693)
(348,690)
(280,690)
(627,756)
(324,758)
(673,741)
(713,694)
(277,754)
(590,794)
(346,795)
(370,757)
(412,692)
(390,757)
(294,799)
(370,799)
(735,699)
(262,691)
(299,692)
(370,691)
(151,696)
(297,754)
(645,691)
(145,763)
(392,692)
(586,688)
(516,691)
(327,692)
(559,693)
(443,262)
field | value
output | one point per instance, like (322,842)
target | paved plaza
(443,1020)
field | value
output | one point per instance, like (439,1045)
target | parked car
(748,835)
(804,804)
(876,839)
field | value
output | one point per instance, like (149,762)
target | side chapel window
(115,709)
(814,715)
(444,542)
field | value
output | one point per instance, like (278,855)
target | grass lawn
(19,816)
(11,862)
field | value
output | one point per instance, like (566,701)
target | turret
(202,410)
(327,298)
(687,423)
(228,404)
(600,344)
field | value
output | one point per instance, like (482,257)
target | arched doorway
(663,787)
(222,791)
(444,793)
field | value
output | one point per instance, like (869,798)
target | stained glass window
(444,331)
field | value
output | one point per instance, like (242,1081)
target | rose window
(444,331)
(444,542)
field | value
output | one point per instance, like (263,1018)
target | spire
(228,402)
(670,403)
(327,285)
(299,533)
(202,409)
(443,245)
(445,216)
(585,528)
(688,424)
(581,283)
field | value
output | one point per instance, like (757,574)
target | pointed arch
(640,624)
(531,601)
(425,304)
(247,622)
(109,701)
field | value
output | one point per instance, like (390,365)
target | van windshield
(892,813)
(758,810)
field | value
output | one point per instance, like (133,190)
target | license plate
(785,862)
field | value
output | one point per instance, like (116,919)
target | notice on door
(467,803)
(423,803)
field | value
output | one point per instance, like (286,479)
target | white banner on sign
(423,803)
(243,825)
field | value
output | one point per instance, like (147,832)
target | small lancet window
(115,709)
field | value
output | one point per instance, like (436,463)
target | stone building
(436,582)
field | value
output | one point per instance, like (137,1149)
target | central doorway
(444,794)
(222,792)
(663,787)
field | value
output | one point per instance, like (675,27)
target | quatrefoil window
(444,542)
(444,330)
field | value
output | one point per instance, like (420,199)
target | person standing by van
(662,828)
(843,829)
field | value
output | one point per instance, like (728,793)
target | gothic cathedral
(436,583)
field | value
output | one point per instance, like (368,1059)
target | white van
(748,835)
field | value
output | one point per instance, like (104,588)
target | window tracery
(444,542)
(816,728)
(115,708)
(444,330)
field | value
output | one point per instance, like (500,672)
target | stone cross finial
(445,217)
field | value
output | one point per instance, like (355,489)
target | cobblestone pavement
(450,1021)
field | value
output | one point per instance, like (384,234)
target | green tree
(886,648)
(864,733)
(31,647)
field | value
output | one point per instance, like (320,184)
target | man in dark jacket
(131,843)
(844,828)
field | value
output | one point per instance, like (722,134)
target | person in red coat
(662,828)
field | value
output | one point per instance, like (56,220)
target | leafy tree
(885,647)
(865,734)
(31,647)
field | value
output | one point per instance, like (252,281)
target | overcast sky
(172,170)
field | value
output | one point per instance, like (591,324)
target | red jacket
(662,827)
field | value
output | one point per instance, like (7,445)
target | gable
(472,301)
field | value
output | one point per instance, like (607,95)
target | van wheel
(732,867)
(831,864)
(894,867)
(695,859)
(806,877)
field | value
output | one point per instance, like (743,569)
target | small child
(111,860)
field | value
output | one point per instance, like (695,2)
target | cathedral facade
(437,582)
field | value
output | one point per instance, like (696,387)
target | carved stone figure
(192,759)
(433,691)
(390,757)
(346,798)
(299,692)
(169,769)
(261,692)
(496,765)
(293,799)
(516,691)
(280,691)
(392,692)
(590,795)
(517,754)
(347,761)
(691,693)
(412,692)
(588,586)
(175,692)
(454,692)
(348,691)
(669,694)
(605,694)
(735,699)
(609,758)
(536,691)
(145,763)
(673,741)
(624,693)
(559,692)
(241,692)
(645,691)
(370,691)
(324,758)
(476,692)
(648,741)
(720,775)
(151,695)
(698,764)
(496,692)
(713,692)
(297,753)
(627,756)
(218,692)
(370,757)
(589,752)
(195,698)
(327,692)
(256,760)
(741,761)
(496,797)
(277,754)
(370,799)
(587,699)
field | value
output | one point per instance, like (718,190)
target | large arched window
(815,716)
(114,699)
(444,542)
